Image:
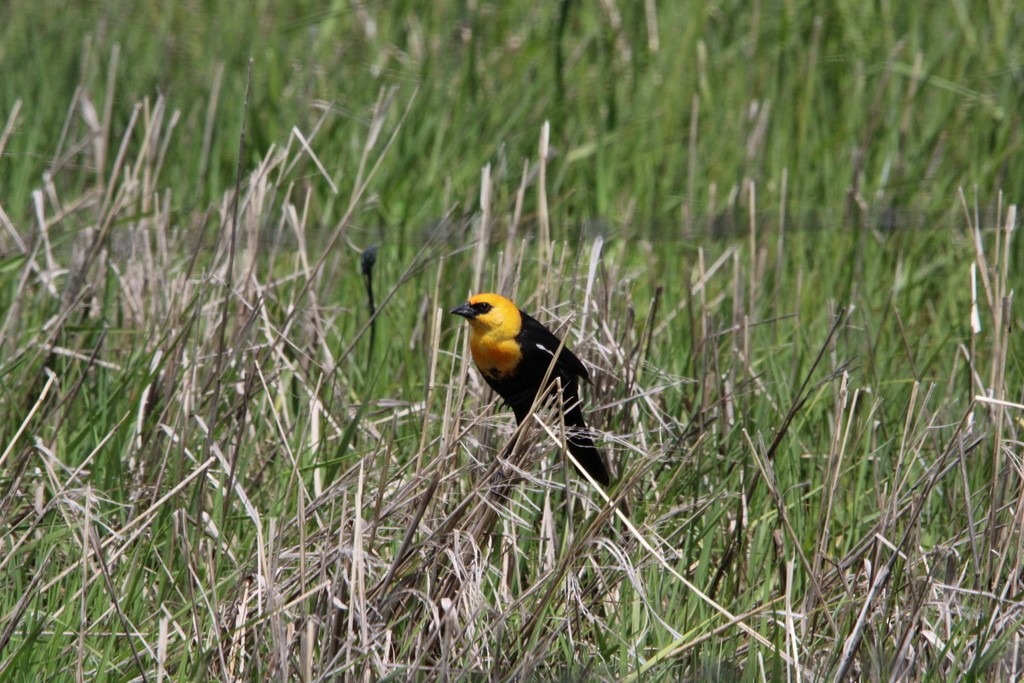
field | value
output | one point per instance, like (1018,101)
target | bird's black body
(519,391)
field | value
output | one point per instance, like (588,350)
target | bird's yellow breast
(497,356)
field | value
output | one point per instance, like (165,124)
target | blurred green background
(875,112)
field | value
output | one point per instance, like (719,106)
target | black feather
(519,390)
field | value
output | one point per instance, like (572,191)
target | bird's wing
(539,345)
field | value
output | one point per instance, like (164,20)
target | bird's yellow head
(491,314)
(494,323)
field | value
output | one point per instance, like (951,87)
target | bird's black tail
(583,449)
(581,445)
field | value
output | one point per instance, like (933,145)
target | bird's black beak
(465,310)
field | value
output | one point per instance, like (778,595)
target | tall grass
(216,463)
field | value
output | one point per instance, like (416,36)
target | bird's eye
(482,307)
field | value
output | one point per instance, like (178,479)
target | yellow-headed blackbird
(513,352)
